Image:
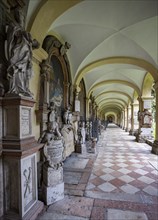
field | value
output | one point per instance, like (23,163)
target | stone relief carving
(145,118)
(27,183)
(18,50)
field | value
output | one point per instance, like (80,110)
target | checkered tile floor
(123,166)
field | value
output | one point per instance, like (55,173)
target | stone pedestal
(53,185)
(19,159)
(144,134)
(78,148)
(155,147)
(131,132)
(92,147)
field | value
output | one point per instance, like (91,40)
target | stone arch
(59,62)
(113,60)
(103,101)
(115,81)
(147,85)
(114,91)
(48,11)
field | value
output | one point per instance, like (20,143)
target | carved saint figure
(19,45)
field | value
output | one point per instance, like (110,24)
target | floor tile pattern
(121,177)
(124,166)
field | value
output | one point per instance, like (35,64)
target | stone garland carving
(18,51)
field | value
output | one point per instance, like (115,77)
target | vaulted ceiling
(113,43)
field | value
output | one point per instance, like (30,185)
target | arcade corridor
(119,182)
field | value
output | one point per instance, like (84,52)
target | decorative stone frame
(54,48)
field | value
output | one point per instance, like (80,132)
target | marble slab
(115,214)
(72,177)
(77,163)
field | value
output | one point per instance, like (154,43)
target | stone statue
(52,119)
(18,48)
(83,133)
(47,135)
(53,141)
(67,116)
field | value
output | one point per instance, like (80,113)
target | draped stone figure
(18,49)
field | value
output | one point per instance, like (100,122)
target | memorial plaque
(147,104)
(26,121)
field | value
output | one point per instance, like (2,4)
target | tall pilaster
(124,119)
(87,108)
(135,110)
(77,101)
(138,136)
(127,115)
(132,120)
(140,100)
(66,88)
(155,144)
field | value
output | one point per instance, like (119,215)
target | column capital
(139,99)
(132,104)
(77,89)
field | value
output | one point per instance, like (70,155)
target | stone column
(66,89)
(121,120)
(140,100)
(138,135)
(127,114)
(132,120)
(19,159)
(46,69)
(96,109)
(44,95)
(87,108)
(155,144)
(124,120)
(135,110)
(77,101)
